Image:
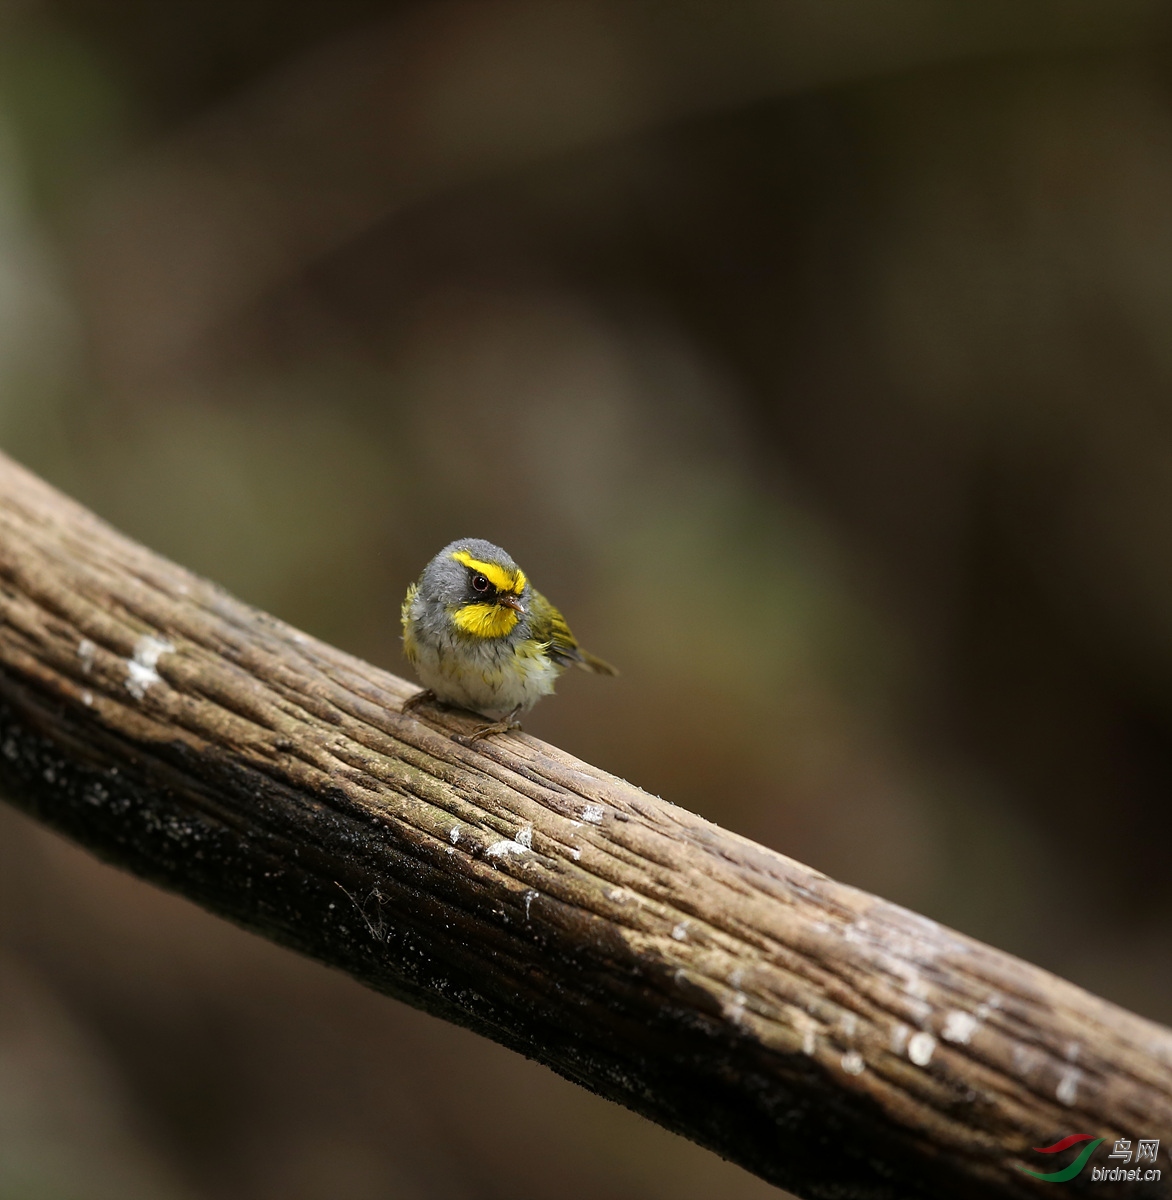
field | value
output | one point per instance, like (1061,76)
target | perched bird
(480,636)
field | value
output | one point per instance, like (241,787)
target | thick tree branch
(832,1042)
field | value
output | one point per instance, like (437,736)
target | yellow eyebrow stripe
(500,579)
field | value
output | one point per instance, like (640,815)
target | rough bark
(825,1039)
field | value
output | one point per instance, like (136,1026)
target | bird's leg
(506,726)
(427,696)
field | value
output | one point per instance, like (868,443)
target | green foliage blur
(816,360)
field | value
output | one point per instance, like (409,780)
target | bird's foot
(505,726)
(427,696)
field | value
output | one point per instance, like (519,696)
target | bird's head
(482,590)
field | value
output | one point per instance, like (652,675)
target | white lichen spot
(848,1024)
(618,895)
(503,847)
(734,1009)
(921,1048)
(86,651)
(87,698)
(852,1063)
(592,814)
(454,834)
(1067,1090)
(899,1037)
(808,1029)
(1072,1051)
(575,853)
(1026,1060)
(990,1005)
(530,896)
(959,1027)
(525,837)
(140,670)
(680,932)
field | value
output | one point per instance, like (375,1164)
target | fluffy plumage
(482,637)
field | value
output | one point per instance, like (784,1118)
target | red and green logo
(1068,1172)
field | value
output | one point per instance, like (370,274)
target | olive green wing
(548,625)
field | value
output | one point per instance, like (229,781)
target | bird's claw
(506,726)
(427,696)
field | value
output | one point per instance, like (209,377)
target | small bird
(480,636)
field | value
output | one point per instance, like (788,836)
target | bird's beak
(512,602)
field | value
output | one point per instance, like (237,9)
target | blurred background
(816,358)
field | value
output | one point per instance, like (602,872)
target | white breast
(489,677)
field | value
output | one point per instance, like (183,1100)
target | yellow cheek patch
(485,620)
(502,580)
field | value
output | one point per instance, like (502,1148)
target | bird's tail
(594,664)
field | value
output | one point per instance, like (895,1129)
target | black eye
(480,583)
